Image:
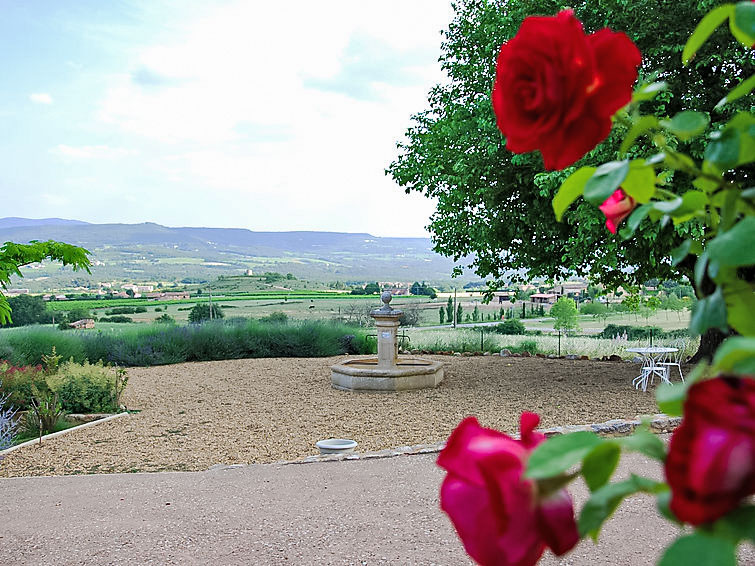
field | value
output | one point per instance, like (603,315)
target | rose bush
(711,461)
(502,517)
(557,88)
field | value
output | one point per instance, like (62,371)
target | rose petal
(555,518)
(469,443)
(468,507)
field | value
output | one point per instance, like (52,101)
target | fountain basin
(365,374)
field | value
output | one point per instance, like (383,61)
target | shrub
(525,346)
(202,311)
(165,318)
(86,388)
(510,326)
(8,422)
(275,318)
(117,318)
(17,383)
(126,310)
(143,345)
(639,332)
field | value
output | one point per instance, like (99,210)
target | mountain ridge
(151,251)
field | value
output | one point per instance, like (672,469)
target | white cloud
(91,151)
(299,101)
(40,98)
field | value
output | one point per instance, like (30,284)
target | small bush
(510,326)
(85,388)
(117,318)
(525,346)
(17,383)
(125,310)
(275,318)
(640,332)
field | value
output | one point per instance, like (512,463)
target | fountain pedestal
(387,372)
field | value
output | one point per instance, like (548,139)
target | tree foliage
(14,256)
(202,311)
(495,206)
(565,313)
(28,309)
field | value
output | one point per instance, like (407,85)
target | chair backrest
(681,347)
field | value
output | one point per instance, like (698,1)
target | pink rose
(616,208)
(711,461)
(556,88)
(498,514)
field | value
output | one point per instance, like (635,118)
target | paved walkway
(366,512)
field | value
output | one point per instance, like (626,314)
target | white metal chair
(675,358)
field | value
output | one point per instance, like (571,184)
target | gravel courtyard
(195,415)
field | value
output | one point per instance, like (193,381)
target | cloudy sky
(250,114)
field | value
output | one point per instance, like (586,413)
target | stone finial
(386,309)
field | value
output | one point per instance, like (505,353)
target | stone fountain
(387,372)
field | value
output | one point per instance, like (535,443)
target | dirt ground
(195,415)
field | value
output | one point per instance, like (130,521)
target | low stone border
(87,420)
(659,424)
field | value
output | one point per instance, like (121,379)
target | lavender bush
(8,424)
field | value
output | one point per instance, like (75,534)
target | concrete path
(364,512)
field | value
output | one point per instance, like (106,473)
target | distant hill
(151,252)
(15,222)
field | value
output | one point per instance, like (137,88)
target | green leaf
(639,182)
(559,453)
(663,502)
(737,525)
(740,305)
(604,501)
(570,189)
(742,89)
(698,548)
(736,354)
(634,220)
(606,179)
(687,124)
(734,145)
(693,202)
(704,29)
(709,312)
(670,397)
(655,159)
(643,125)
(600,464)
(668,206)
(735,247)
(680,252)
(701,266)
(649,91)
(644,442)
(742,23)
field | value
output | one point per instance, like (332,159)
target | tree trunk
(709,342)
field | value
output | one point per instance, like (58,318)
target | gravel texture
(196,415)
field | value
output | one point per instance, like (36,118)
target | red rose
(711,460)
(556,88)
(496,511)
(616,208)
